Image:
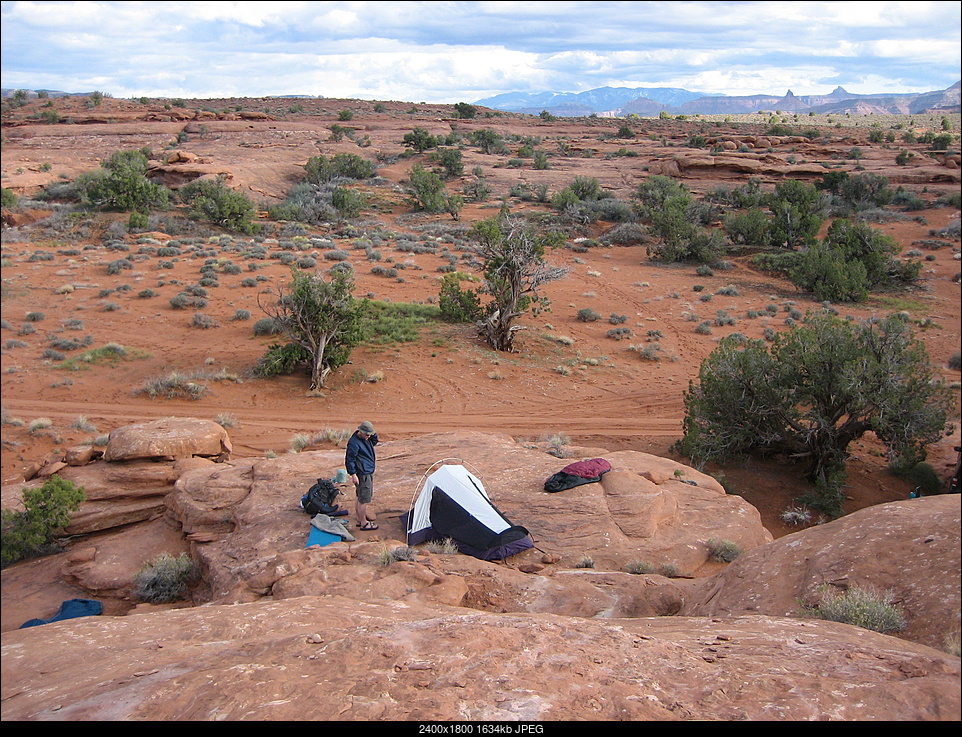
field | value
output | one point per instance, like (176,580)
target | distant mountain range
(650,101)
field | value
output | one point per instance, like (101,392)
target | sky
(447,52)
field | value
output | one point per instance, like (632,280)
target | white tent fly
(453,504)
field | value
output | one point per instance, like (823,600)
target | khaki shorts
(365,487)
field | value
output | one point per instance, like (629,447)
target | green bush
(861,607)
(427,191)
(266,326)
(457,304)
(922,477)
(420,140)
(165,579)
(212,199)
(820,387)
(465,111)
(121,183)
(451,161)
(348,202)
(852,259)
(341,166)
(46,515)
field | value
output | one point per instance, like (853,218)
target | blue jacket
(360,456)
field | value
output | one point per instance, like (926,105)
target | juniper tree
(121,183)
(512,254)
(820,387)
(321,320)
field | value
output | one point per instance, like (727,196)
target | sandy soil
(568,377)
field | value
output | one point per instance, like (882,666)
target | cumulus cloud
(448,52)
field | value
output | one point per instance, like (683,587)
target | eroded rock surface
(332,658)
(432,635)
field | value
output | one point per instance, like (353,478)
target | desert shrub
(121,183)
(586,314)
(165,579)
(465,111)
(306,202)
(121,264)
(200,320)
(447,546)
(173,386)
(922,477)
(46,514)
(723,551)
(586,561)
(213,200)
(266,326)
(419,140)
(457,304)
(386,556)
(647,352)
(620,333)
(451,161)
(427,191)
(626,234)
(864,608)
(796,515)
(341,166)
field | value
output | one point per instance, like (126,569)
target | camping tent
(453,504)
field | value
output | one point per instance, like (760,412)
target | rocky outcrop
(169,439)
(909,550)
(385,631)
(325,658)
(646,509)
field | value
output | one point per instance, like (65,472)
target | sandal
(368,526)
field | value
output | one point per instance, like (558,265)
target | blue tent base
(319,537)
(70,609)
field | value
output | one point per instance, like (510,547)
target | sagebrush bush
(723,551)
(586,561)
(165,579)
(447,546)
(864,608)
(387,556)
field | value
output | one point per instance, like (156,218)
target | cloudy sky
(466,51)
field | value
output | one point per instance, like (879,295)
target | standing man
(359,461)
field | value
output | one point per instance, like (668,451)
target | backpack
(321,498)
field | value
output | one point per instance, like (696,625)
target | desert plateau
(272,630)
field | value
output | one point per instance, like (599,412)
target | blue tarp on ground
(70,609)
(319,537)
